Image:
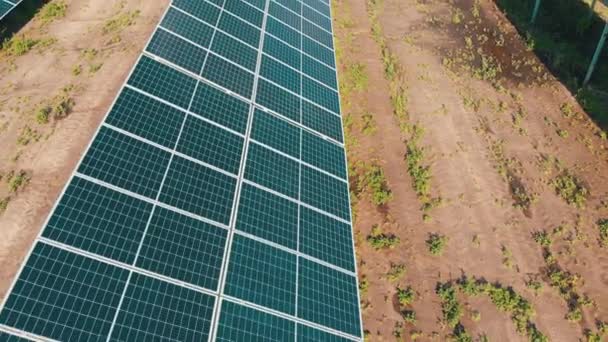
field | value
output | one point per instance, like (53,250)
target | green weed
(436,243)
(396,272)
(603,228)
(52,11)
(405,296)
(571,190)
(380,240)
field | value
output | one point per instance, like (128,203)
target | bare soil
(468,112)
(92,49)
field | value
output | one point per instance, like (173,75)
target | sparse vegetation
(542,238)
(506,300)
(395,273)
(368,126)
(370,176)
(120,21)
(405,296)
(52,11)
(380,240)
(18,45)
(571,189)
(27,136)
(603,229)
(4,204)
(450,307)
(436,243)
(17,180)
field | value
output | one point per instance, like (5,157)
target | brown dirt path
(469,111)
(36,78)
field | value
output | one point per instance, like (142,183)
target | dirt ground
(498,133)
(72,74)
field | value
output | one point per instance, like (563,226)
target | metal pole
(535,12)
(596,56)
(592,8)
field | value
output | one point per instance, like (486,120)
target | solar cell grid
(7,6)
(214,195)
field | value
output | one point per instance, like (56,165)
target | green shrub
(409,316)
(395,273)
(18,45)
(379,240)
(542,238)
(52,11)
(436,243)
(43,114)
(4,204)
(405,296)
(571,190)
(374,179)
(450,307)
(17,180)
(574,315)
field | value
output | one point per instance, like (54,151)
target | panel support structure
(535,12)
(596,56)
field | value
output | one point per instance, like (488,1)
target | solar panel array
(6,6)
(213,202)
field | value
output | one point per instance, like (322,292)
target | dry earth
(88,52)
(490,113)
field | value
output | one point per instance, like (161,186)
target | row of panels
(189,41)
(67,296)
(111,224)
(6,6)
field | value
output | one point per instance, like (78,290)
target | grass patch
(52,11)
(603,230)
(571,189)
(17,180)
(18,45)
(396,272)
(4,204)
(379,240)
(405,296)
(370,177)
(120,21)
(27,136)
(436,243)
(506,300)
(368,125)
(450,307)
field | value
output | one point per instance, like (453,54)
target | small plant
(27,136)
(4,204)
(542,238)
(369,124)
(574,315)
(436,243)
(396,272)
(571,190)
(77,70)
(475,316)
(357,74)
(375,180)
(18,180)
(52,11)
(363,286)
(535,286)
(409,316)
(120,22)
(563,133)
(18,45)
(379,240)
(414,335)
(603,227)
(43,114)
(405,296)
(450,307)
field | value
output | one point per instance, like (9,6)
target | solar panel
(213,203)
(6,6)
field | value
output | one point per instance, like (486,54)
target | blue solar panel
(6,6)
(213,201)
